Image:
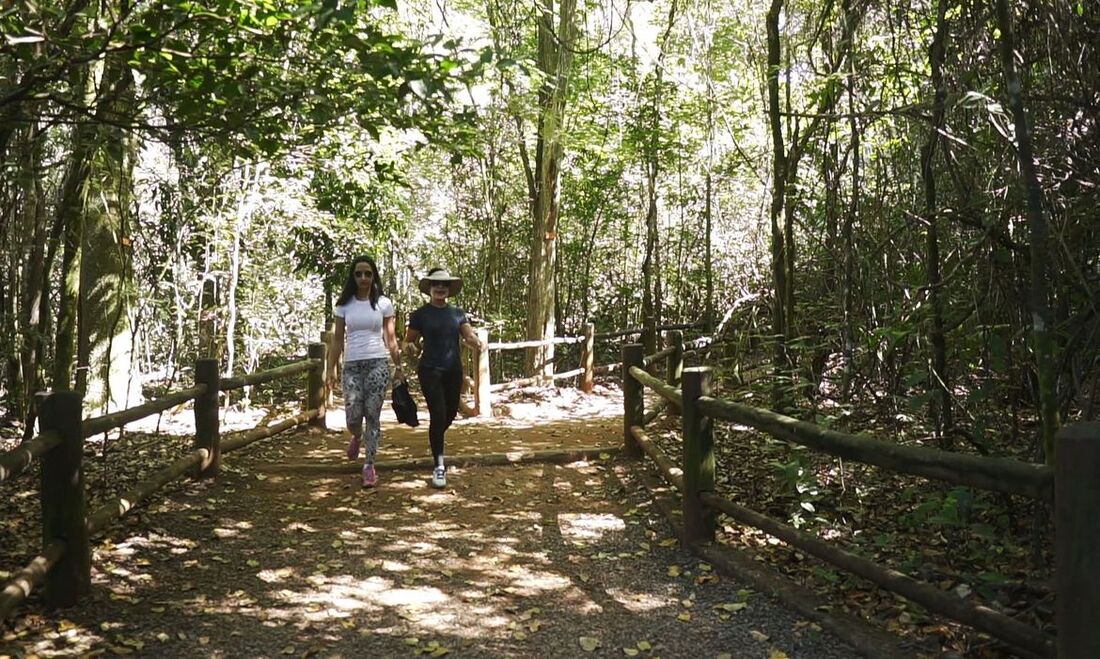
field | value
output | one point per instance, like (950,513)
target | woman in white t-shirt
(366,337)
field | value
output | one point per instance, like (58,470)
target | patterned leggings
(365,382)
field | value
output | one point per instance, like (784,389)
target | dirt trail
(557,560)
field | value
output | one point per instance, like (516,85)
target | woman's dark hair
(350,287)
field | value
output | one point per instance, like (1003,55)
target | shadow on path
(530,560)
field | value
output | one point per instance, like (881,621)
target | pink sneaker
(353,448)
(370,479)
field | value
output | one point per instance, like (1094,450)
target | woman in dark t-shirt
(441,326)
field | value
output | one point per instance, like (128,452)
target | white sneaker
(439,477)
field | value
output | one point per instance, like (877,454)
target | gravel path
(532,560)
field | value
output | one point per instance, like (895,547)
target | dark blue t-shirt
(440,328)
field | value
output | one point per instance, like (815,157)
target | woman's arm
(389,337)
(411,338)
(470,337)
(337,348)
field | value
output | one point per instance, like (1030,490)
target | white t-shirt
(363,328)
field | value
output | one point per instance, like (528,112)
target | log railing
(1071,486)
(65,561)
(673,355)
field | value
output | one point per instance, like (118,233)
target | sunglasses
(364,273)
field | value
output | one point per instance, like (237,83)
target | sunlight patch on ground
(68,640)
(636,602)
(415,548)
(301,527)
(529,583)
(412,596)
(394,566)
(588,526)
(404,484)
(528,407)
(277,575)
(517,516)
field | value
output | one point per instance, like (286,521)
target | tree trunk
(1037,232)
(34,295)
(104,344)
(940,403)
(555,57)
(708,259)
(649,275)
(70,216)
(850,219)
(779,178)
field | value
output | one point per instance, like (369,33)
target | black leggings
(441,390)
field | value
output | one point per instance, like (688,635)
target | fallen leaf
(777,654)
(758,636)
(589,643)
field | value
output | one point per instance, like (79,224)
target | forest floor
(286,555)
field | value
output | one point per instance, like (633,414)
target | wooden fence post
(675,370)
(482,398)
(315,384)
(676,359)
(588,357)
(633,400)
(1077,539)
(62,497)
(698,457)
(326,338)
(207,423)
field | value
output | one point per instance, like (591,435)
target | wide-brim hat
(455,283)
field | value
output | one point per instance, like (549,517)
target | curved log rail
(985,473)
(65,562)
(260,377)
(1071,486)
(977,616)
(16,461)
(101,424)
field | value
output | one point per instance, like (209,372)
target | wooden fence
(1072,486)
(65,562)
(483,387)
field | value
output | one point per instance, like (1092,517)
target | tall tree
(780,328)
(556,37)
(1041,330)
(939,382)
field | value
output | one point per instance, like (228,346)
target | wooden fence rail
(1072,486)
(483,388)
(65,562)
